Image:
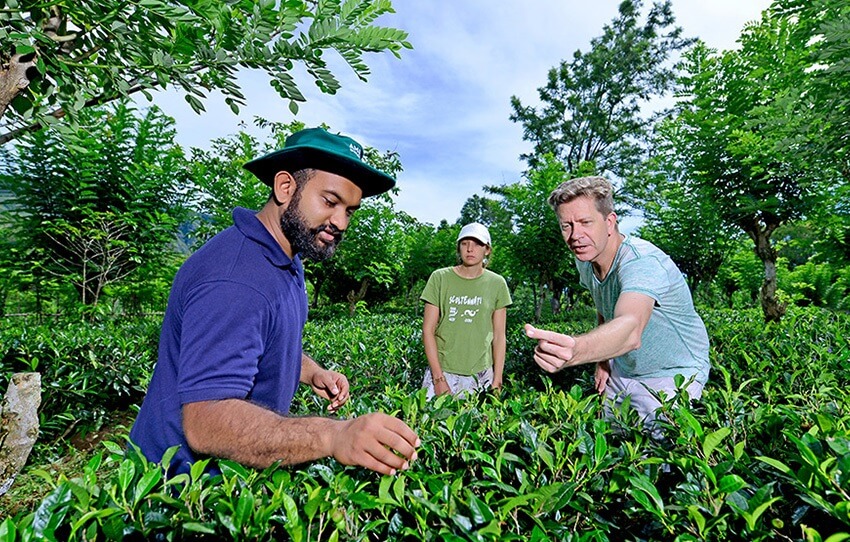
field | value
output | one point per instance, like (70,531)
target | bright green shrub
(817,284)
(763,456)
(87,369)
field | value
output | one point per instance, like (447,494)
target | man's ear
(611,219)
(283,187)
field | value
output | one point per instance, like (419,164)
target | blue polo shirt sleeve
(224,329)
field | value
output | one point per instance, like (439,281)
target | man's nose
(340,220)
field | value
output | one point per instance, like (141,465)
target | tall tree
(375,246)
(487,211)
(592,104)
(222,183)
(90,206)
(57,57)
(822,29)
(373,254)
(760,132)
(761,136)
(744,122)
(677,217)
(428,249)
(373,250)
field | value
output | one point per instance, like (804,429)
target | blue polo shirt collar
(247,222)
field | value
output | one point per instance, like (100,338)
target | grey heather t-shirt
(675,340)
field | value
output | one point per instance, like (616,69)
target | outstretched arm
(620,335)
(254,436)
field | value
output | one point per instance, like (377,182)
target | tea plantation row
(764,456)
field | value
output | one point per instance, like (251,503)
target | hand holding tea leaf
(376,441)
(332,386)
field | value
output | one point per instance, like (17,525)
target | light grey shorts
(643,399)
(460,384)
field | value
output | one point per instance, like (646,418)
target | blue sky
(445,106)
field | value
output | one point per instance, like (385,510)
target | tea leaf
(697,517)
(196,527)
(753,518)
(731,483)
(645,488)
(384,491)
(244,508)
(782,467)
(149,480)
(712,440)
(51,512)
(398,489)
(481,513)
(293,525)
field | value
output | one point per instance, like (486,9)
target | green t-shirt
(465,329)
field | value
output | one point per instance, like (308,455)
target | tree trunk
(538,306)
(771,307)
(354,298)
(13,79)
(317,287)
(18,425)
(555,300)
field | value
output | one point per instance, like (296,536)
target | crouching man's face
(319,213)
(585,229)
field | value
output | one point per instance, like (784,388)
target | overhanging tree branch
(133,45)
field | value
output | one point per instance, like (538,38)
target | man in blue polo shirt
(230,353)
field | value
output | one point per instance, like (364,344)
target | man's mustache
(331,229)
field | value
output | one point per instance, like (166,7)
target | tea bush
(88,369)
(765,455)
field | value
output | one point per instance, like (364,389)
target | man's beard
(303,239)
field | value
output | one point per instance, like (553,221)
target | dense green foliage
(593,105)
(757,147)
(61,57)
(764,456)
(118,208)
(95,206)
(122,246)
(537,254)
(88,369)
(746,147)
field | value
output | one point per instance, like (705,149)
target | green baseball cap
(316,148)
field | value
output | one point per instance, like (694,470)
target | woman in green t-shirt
(463,327)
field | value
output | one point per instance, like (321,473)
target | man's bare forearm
(607,341)
(252,435)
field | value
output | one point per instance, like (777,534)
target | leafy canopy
(90,207)
(592,104)
(58,57)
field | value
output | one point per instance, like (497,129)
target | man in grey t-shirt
(648,329)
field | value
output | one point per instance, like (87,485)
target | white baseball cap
(476,231)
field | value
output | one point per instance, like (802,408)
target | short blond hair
(599,189)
